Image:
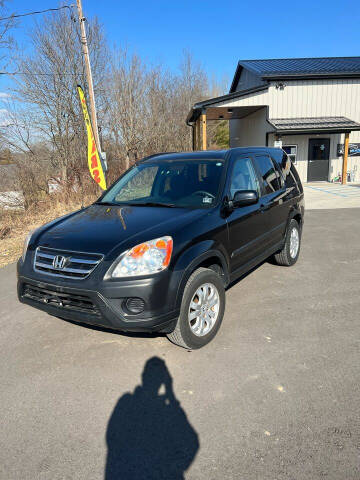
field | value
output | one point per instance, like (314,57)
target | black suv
(159,247)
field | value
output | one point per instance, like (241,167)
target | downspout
(193,131)
(192,125)
(272,126)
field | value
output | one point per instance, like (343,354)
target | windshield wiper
(133,204)
(154,204)
(108,204)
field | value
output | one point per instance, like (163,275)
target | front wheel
(202,310)
(290,252)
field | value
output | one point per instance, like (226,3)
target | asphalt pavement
(274,396)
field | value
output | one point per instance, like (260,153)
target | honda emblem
(59,262)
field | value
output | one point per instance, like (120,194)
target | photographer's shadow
(149,435)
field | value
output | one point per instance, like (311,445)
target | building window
(291,150)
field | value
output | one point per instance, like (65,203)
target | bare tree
(127,90)
(141,108)
(5,43)
(147,106)
(48,93)
(5,27)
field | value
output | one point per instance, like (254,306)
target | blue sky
(219,32)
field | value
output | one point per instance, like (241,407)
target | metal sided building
(308,106)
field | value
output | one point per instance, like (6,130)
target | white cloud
(4,95)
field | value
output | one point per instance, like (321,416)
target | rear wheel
(290,252)
(202,310)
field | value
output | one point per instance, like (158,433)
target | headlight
(143,259)
(26,244)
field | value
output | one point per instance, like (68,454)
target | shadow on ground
(122,333)
(155,334)
(148,434)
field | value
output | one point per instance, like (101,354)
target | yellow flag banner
(94,162)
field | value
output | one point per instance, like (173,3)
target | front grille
(61,263)
(63,301)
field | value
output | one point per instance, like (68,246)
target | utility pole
(88,74)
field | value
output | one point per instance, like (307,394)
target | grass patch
(15,225)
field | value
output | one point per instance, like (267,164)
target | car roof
(208,154)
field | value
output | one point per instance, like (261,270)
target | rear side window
(296,177)
(290,174)
(278,173)
(268,173)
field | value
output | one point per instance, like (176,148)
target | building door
(318,163)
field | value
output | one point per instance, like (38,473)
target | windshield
(181,183)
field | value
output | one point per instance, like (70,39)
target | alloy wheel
(204,309)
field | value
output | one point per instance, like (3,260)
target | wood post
(204,139)
(197,134)
(345,159)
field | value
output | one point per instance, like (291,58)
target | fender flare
(294,211)
(197,259)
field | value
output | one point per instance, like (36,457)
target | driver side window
(138,186)
(243,177)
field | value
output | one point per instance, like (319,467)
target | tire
(286,257)
(209,283)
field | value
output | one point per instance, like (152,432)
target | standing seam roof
(298,66)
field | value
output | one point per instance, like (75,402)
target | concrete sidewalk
(326,195)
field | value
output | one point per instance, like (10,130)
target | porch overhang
(230,113)
(215,111)
(313,125)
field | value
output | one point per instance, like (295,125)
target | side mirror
(243,198)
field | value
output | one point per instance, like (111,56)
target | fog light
(135,305)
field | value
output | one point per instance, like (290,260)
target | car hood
(106,230)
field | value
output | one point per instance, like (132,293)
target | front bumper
(97,302)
